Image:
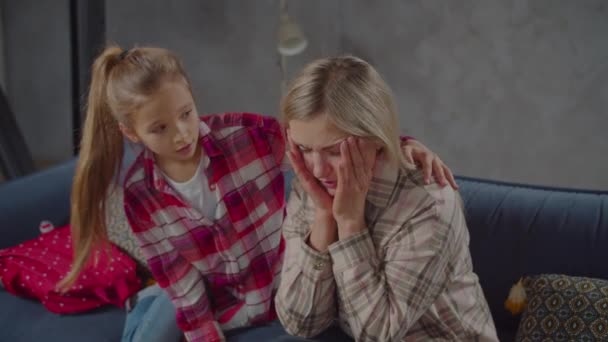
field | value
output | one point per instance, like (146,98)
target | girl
(369,243)
(204,197)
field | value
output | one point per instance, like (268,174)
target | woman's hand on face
(417,153)
(321,199)
(355,173)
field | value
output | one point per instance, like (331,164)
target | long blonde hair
(122,81)
(353,96)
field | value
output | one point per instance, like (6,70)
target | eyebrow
(182,108)
(155,123)
(179,111)
(327,147)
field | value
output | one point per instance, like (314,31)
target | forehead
(315,133)
(166,102)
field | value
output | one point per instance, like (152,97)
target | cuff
(352,251)
(315,265)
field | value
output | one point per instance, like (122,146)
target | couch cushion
(33,269)
(564,308)
(27,320)
(119,230)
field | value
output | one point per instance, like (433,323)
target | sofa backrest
(26,201)
(519,230)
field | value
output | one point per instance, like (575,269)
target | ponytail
(122,81)
(101,152)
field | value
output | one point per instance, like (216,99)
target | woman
(369,242)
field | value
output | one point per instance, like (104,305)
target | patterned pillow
(563,308)
(119,230)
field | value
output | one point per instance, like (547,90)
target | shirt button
(318,265)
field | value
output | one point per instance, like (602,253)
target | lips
(184,149)
(329,184)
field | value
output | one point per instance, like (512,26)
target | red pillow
(33,269)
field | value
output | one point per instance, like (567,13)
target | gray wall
(37,72)
(512,90)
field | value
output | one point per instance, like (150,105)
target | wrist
(322,215)
(323,233)
(348,228)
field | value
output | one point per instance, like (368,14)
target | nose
(182,133)
(320,166)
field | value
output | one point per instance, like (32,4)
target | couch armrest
(26,201)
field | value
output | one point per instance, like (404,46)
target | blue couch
(515,230)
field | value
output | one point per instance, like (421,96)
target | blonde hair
(122,81)
(352,95)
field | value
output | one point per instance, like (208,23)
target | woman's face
(319,142)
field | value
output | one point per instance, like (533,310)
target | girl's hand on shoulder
(416,153)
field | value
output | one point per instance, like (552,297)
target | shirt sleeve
(276,140)
(306,301)
(176,275)
(385,293)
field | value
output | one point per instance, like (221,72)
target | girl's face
(168,124)
(319,142)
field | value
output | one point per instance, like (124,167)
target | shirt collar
(385,182)
(206,140)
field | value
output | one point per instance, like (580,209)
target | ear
(129,133)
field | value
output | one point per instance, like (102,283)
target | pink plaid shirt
(220,272)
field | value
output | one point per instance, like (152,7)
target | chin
(183,158)
(331,192)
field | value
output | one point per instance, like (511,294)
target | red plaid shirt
(221,272)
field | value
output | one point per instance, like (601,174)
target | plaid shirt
(408,277)
(220,272)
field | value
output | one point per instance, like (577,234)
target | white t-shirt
(196,192)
